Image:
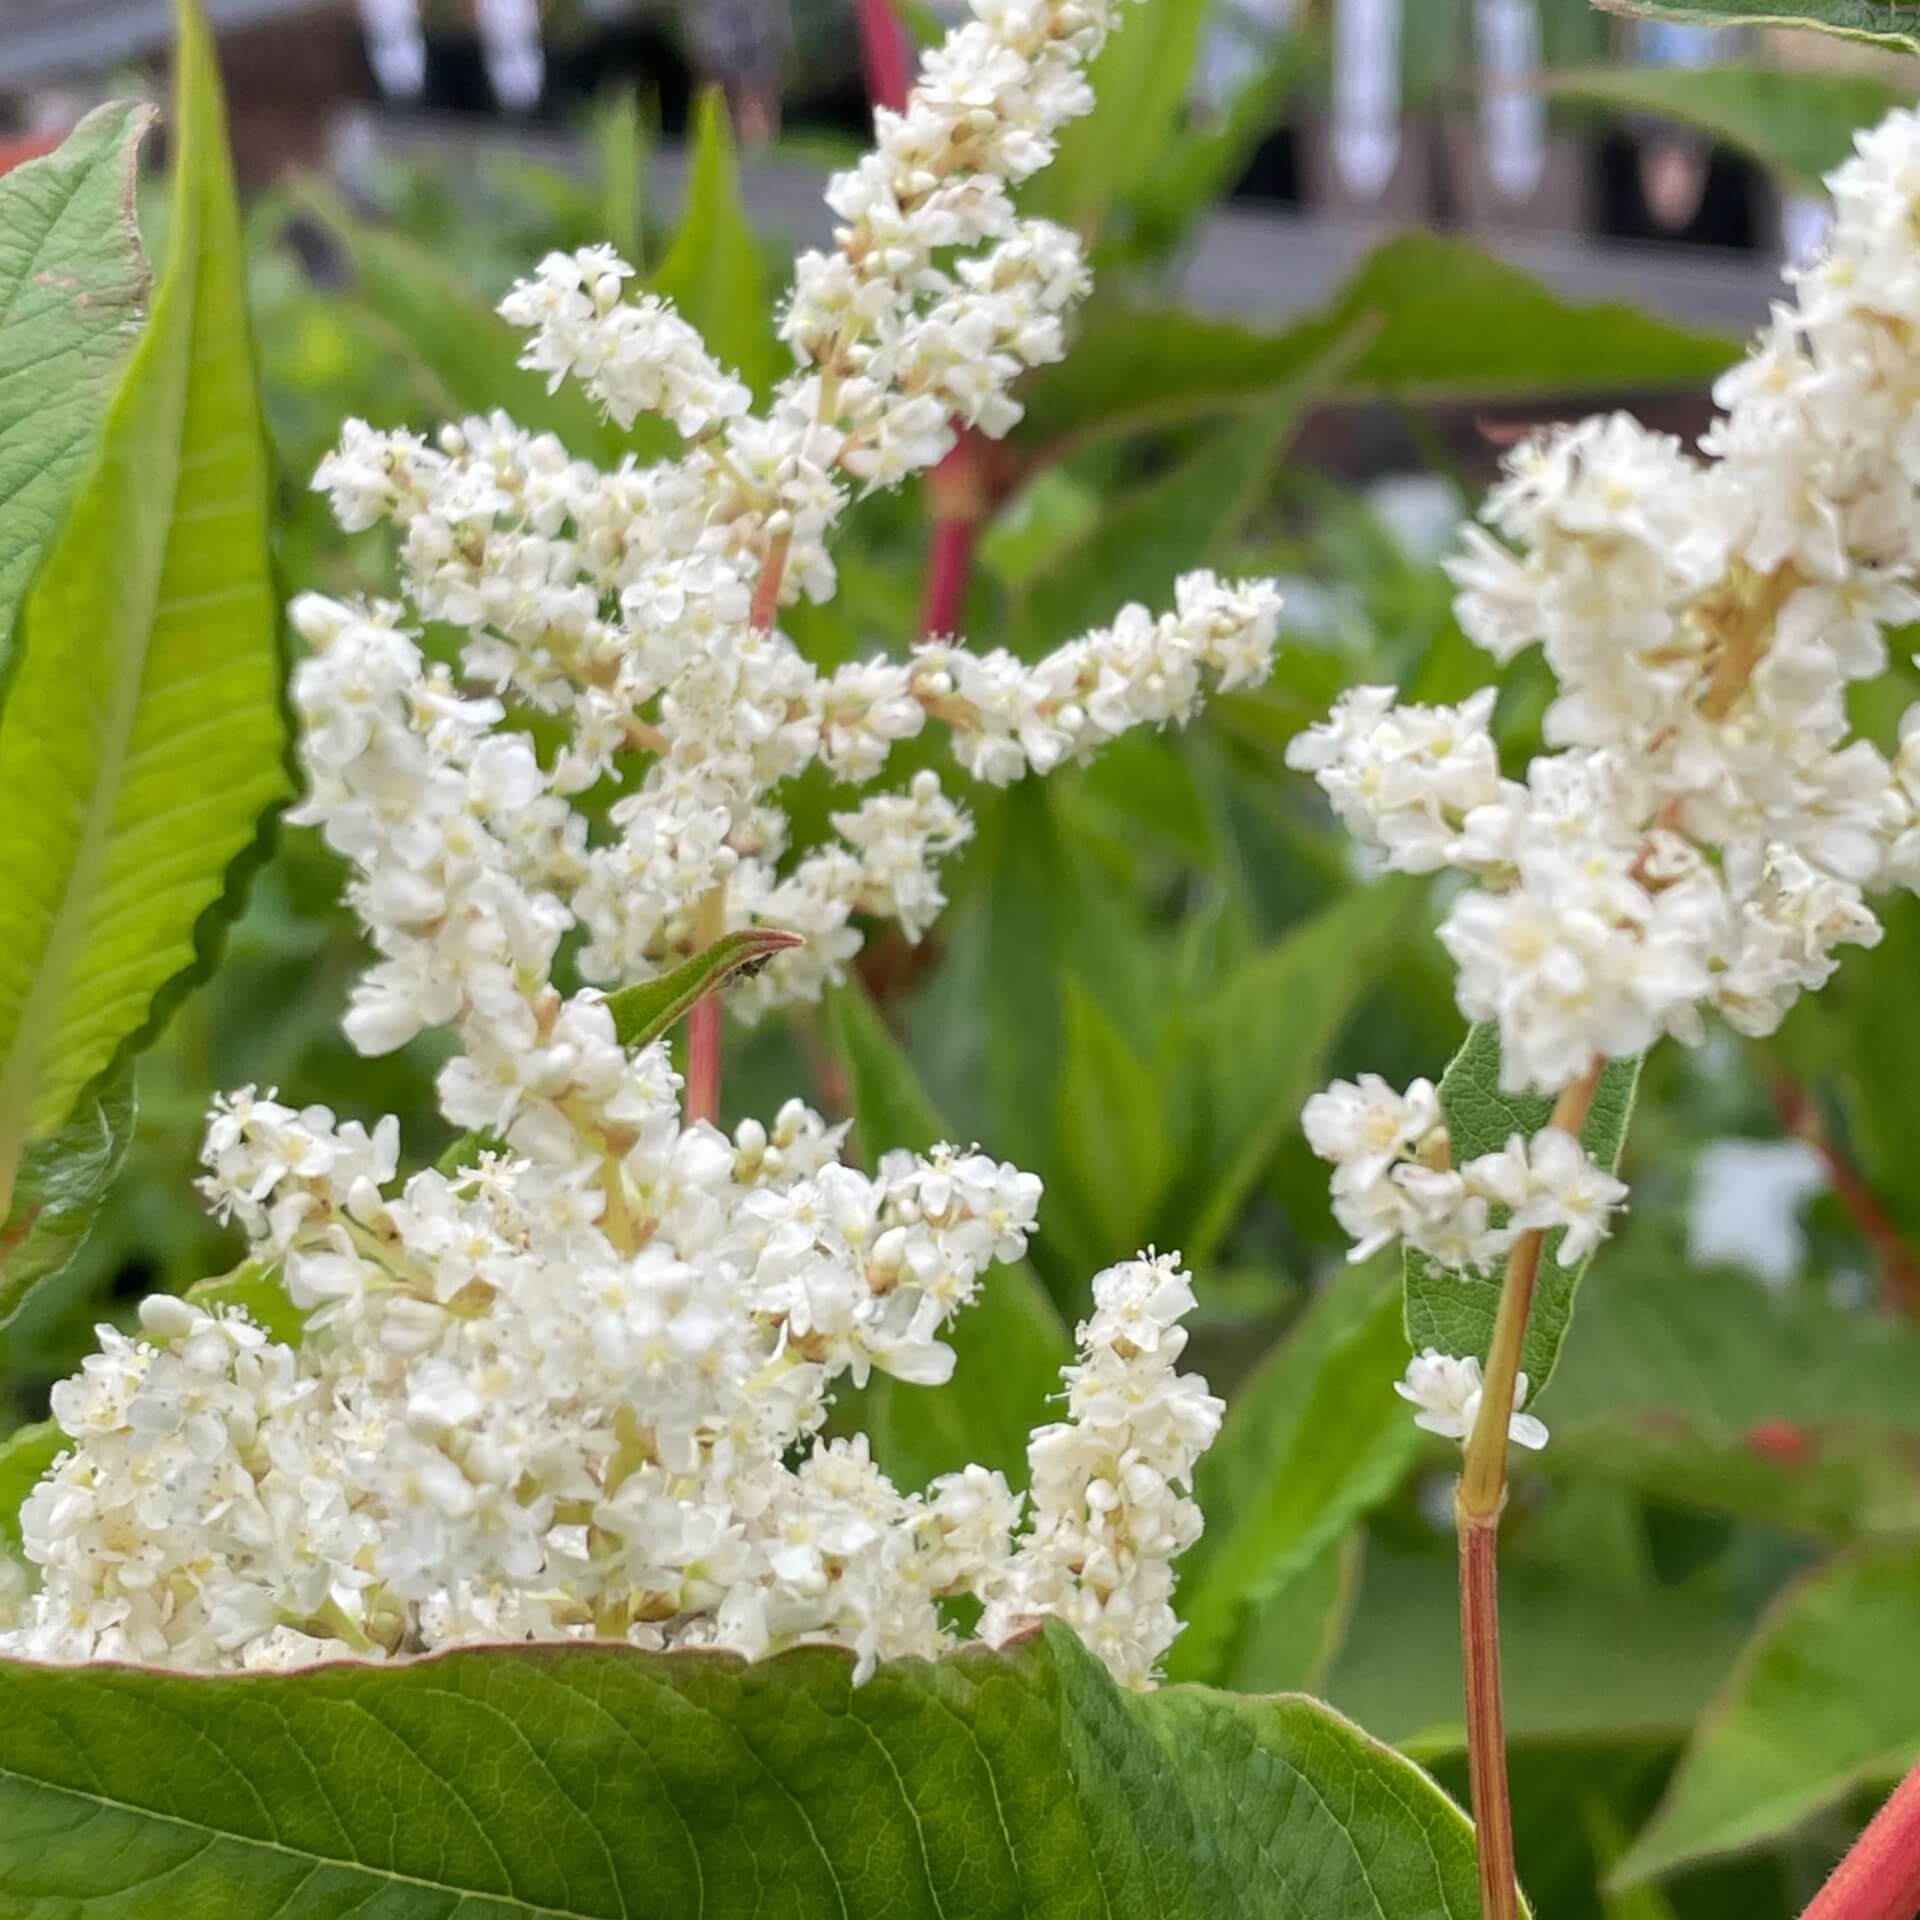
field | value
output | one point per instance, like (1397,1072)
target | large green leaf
(72,278)
(1705,1387)
(603,1783)
(62,1180)
(1826,1699)
(1260,1046)
(1313,1440)
(1800,123)
(143,736)
(713,272)
(1455,1312)
(1885,22)
(1584,1660)
(1446,320)
(1009,1345)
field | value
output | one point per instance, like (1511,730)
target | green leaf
(1201,166)
(1446,320)
(1879,21)
(1826,1699)
(1799,122)
(256,1287)
(1864,1045)
(1261,1043)
(621,146)
(604,1783)
(1112,1147)
(471,355)
(1455,1312)
(63,1179)
(1291,1638)
(1186,518)
(25,1455)
(643,1012)
(143,736)
(1707,1388)
(1313,1440)
(1009,1345)
(1608,1838)
(1048,918)
(1140,82)
(713,272)
(72,279)
(1583,1659)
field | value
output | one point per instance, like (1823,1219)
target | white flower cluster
(1709,827)
(1706,827)
(1394,1179)
(563,1395)
(626,604)
(1109,1511)
(642,603)
(580,1383)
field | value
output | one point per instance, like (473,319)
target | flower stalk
(1478,1500)
(1879,1879)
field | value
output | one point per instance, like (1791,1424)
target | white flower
(1447,1391)
(1365,1127)
(1565,1189)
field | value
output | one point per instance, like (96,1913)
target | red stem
(703,1061)
(954,485)
(885,53)
(1880,1877)
(949,567)
(1486,1731)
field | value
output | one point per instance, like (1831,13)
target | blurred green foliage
(1150,962)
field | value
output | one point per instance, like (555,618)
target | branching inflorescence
(577,1385)
(1706,832)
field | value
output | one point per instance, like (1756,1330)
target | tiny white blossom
(1447,1392)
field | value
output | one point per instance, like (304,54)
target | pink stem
(887,57)
(703,1061)
(1880,1877)
(949,564)
(885,54)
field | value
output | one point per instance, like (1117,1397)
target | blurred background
(1347,254)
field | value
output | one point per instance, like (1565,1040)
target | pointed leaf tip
(643,1012)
